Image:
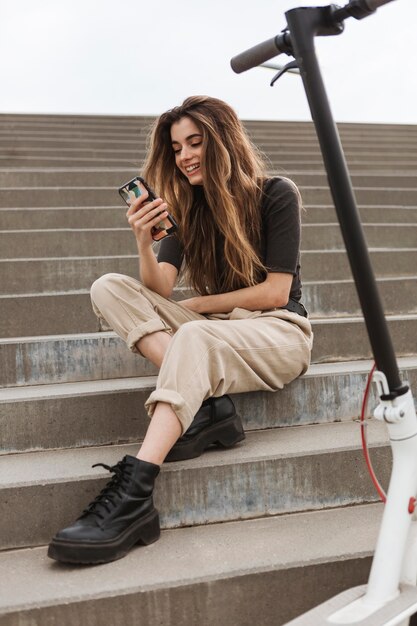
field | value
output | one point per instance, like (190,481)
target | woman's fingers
(137,203)
(139,209)
(143,215)
(149,220)
(148,212)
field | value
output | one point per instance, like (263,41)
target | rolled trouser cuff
(177,402)
(151,326)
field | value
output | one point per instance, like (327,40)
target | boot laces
(113,490)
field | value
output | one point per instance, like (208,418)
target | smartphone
(134,189)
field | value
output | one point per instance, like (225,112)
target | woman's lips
(193,171)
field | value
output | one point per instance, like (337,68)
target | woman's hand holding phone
(147,214)
(143,215)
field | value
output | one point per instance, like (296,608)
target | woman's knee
(194,333)
(108,283)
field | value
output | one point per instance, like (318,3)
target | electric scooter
(390,597)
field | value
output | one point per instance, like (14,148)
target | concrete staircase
(254,535)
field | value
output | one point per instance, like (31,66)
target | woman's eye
(194,145)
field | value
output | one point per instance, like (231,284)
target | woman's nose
(185,153)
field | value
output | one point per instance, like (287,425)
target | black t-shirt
(280,234)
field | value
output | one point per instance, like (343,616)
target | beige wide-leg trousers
(209,355)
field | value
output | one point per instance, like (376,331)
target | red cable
(378,487)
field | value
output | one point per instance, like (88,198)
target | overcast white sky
(141,58)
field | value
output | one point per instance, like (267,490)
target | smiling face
(187,143)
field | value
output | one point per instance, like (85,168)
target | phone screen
(134,189)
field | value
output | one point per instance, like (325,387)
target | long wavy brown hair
(219,222)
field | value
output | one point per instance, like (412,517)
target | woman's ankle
(154,346)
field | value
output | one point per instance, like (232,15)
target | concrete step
(122,129)
(120,241)
(396,214)
(17,160)
(89,123)
(124,132)
(72,274)
(281,140)
(84,133)
(60,197)
(26,276)
(356,144)
(136,138)
(277,155)
(58,118)
(49,313)
(364,195)
(47,218)
(81,177)
(68,151)
(254,128)
(58,312)
(265,571)
(79,137)
(13,197)
(115,217)
(337,298)
(394,163)
(391,138)
(338,339)
(103,120)
(272,472)
(105,123)
(342,126)
(95,356)
(57,176)
(274,151)
(359,179)
(74,139)
(70,311)
(66,242)
(96,413)
(334,265)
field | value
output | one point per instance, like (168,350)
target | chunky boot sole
(144,532)
(225,434)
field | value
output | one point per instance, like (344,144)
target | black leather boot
(216,422)
(122,515)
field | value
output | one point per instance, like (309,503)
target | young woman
(238,243)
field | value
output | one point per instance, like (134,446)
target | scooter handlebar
(270,48)
(258,54)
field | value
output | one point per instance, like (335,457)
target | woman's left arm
(272,293)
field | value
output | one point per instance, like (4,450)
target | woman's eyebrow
(188,138)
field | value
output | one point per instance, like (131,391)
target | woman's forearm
(151,273)
(250,298)
(262,297)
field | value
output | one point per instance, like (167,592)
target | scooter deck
(392,613)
